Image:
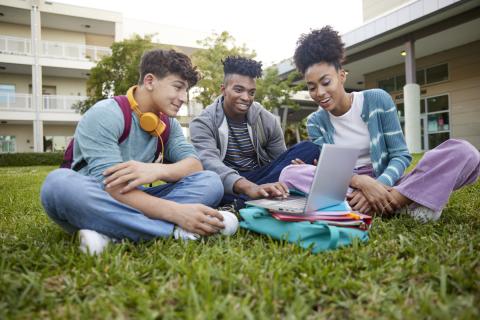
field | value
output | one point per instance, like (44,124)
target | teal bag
(317,236)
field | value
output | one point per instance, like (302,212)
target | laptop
(329,187)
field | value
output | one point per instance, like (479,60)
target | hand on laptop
(268,190)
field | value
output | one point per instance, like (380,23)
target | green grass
(406,271)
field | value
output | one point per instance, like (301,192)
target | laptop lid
(329,186)
(332,177)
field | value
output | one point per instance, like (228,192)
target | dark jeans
(306,151)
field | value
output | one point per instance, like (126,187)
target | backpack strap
(124,105)
(127,115)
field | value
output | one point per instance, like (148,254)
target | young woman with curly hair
(368,120)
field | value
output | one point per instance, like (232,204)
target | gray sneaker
(92,242)
(421,214)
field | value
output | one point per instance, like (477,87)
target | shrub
(30,159)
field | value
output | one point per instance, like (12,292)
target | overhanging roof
(434,25)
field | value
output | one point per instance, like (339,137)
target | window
(437,73)
(438,120)
(434,120)
(55,143)
(7,93)
(7,144)
(429,75)
(400,82)
(420,75)
(387,84)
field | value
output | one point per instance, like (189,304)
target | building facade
(46,52)
(430,45)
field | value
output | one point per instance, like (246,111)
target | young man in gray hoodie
(241,141)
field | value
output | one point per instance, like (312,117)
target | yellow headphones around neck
(149,121)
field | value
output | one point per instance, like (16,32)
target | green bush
(30,159)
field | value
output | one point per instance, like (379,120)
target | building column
(36,32)
(297,133)
(118,31)
(411,93)
(284,118)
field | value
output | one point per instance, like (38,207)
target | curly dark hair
(243,66)
(324,45)
(161,63)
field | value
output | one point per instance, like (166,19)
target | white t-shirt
(351,131)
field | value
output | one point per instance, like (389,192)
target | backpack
(316,236)
(124,105)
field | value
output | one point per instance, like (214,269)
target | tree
(272,90)
(114,74)
(209,61)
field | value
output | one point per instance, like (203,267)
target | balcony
(50,49)
(50,103)
(14,45)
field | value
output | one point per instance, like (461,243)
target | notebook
(329,187)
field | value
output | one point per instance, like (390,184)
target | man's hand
(254,191)
(268,190)
(132,173)
(198,218)
(377,194)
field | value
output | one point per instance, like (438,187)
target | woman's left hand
(377,194)
(359,202)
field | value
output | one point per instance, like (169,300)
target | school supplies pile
(321,220)
(317,236)
(347,219)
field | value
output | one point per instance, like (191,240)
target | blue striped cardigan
(388,150)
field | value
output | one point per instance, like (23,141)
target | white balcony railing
(60,103)
(14,45)
(15,102)
(50,103)
(65,50)
(51,49)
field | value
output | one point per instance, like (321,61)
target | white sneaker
(92,242)
(231,223)
(421,213)
(182,234)
(229,220)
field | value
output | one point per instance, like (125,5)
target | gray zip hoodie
(209,136)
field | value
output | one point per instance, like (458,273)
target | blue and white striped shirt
(388,150)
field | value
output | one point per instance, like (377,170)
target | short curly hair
(161,63)
(242,66)
(324,45)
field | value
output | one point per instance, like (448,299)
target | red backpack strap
(124,105)
(165,135)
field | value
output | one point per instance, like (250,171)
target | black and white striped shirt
(240,155)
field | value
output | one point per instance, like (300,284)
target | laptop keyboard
(294,203)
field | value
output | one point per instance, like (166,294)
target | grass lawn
(406,271)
